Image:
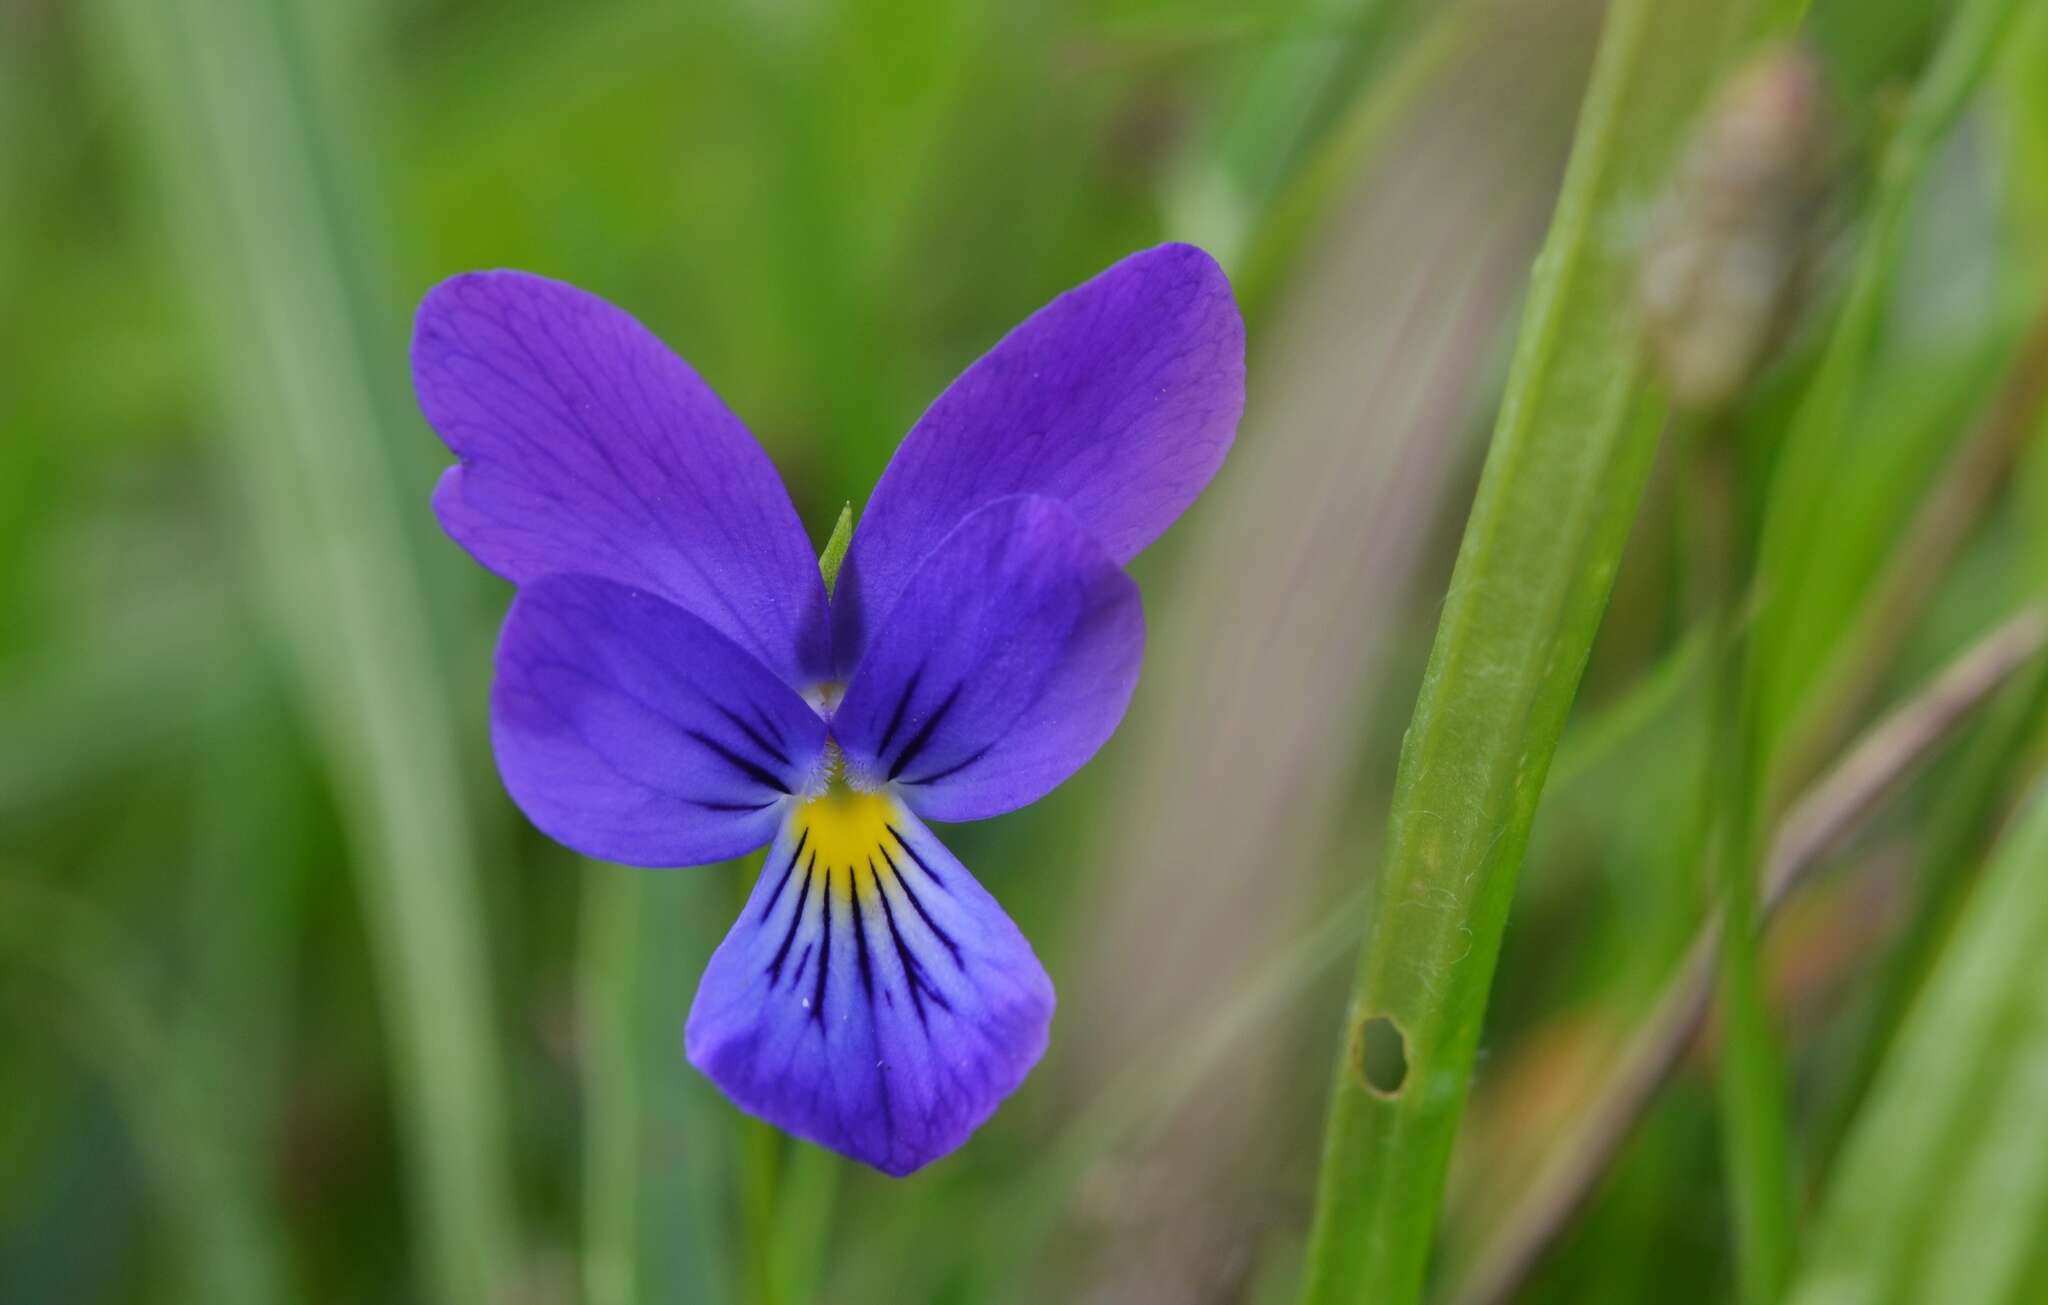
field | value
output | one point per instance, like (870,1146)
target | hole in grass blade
(1381,1056)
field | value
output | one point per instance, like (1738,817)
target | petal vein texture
(629,729)
(1119,398)
(872,997)
(588,447)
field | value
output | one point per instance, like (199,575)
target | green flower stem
(760,1160)
(1569,457)
(657,1167)
(787,1192)
(804,1206)
(609,997)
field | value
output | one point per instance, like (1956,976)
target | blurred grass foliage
(298,1008)
(1955,1110)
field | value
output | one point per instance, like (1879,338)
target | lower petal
(872,996)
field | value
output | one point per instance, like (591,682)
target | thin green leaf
(1273,104)
(1961,818)
(1756,1125)
(608,999)
(834,555)
(1787,649)
(268,217)
(1943,1190)
(206,1174)
(1596,737)
(2026,122)
(652,1226)
(1297,210)
(1540,551)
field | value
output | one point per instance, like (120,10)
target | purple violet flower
(675,685)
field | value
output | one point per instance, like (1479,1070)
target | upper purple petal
(872,996)
(587,446)
(1119,398)
(1008,660)
(631,730)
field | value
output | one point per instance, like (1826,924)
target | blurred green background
(297,1007)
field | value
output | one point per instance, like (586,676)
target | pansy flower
(676,685)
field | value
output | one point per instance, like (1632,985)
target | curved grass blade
(1540,550)
(1964,817)
(266,214)
(1813,827)
(657,1138)
(1943,1189)
(206,1175)
(1787,651)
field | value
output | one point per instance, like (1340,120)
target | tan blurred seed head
(1725,264)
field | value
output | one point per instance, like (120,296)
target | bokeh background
(296,1007)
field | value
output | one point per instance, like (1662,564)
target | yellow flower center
(845,828)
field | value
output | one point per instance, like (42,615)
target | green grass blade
(2025,102)
(608,1000)
(1161,1079)
(1297,210)
(656,1154)
(1756,1125)
(1963,816)
(1792,639)
(1270,110)
(268,219)
(834,554)
(187,1111)
(1595,738)
(1787,650)
(1540,550)
(804,1201)
(1942,1192)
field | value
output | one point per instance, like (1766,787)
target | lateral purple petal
(872,997)
(1008,660)
(587,446)
(1120,398)
(631,730)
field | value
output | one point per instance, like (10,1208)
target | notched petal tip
(438,322)
(872,997)
(586,446)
